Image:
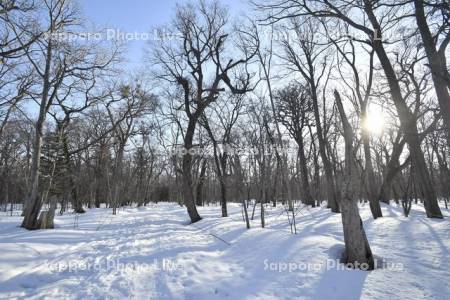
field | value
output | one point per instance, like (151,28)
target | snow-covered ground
(151,253)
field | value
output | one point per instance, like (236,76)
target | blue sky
(138,16)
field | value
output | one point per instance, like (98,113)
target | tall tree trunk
(117,178)
(239,182)
(437,64)
(331,184)
(223,184)
(308,198)
(70,188)
(34,202)
(316,181)
(392,169)
(357,249)
(201,183)
(187,191)
(370,176)
(408,122)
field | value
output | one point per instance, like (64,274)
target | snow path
(168,259)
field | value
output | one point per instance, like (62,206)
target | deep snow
(151,253)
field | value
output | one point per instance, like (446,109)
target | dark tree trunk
(240,183)
(70,187)
(408,122)
(370,179)
(392,169)
(201,182)
(223,184)
(118,186)
(187,190)
(437,64)
(331,184)
(308,198)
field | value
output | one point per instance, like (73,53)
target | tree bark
(239,183)
(201,182)
(437,64)
(370,177)
(407,121)
(308,198)
(392,169)
(34,202)
(222,161)
(331,185)
(357,249)
(188,193)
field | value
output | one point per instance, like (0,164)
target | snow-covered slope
(151,253)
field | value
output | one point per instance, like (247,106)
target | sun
(374,122)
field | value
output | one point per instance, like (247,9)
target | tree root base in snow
(45,220)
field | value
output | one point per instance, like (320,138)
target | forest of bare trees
(300,103)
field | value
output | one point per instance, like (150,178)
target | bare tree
(137,104)
(296,113)
(357,249)
(372,20)
(55,61)
(306,56)
(227,113)
(195,65)
(436,49)
(18,32)
(360,95)
(17,35)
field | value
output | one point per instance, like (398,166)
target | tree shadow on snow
(337,282)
